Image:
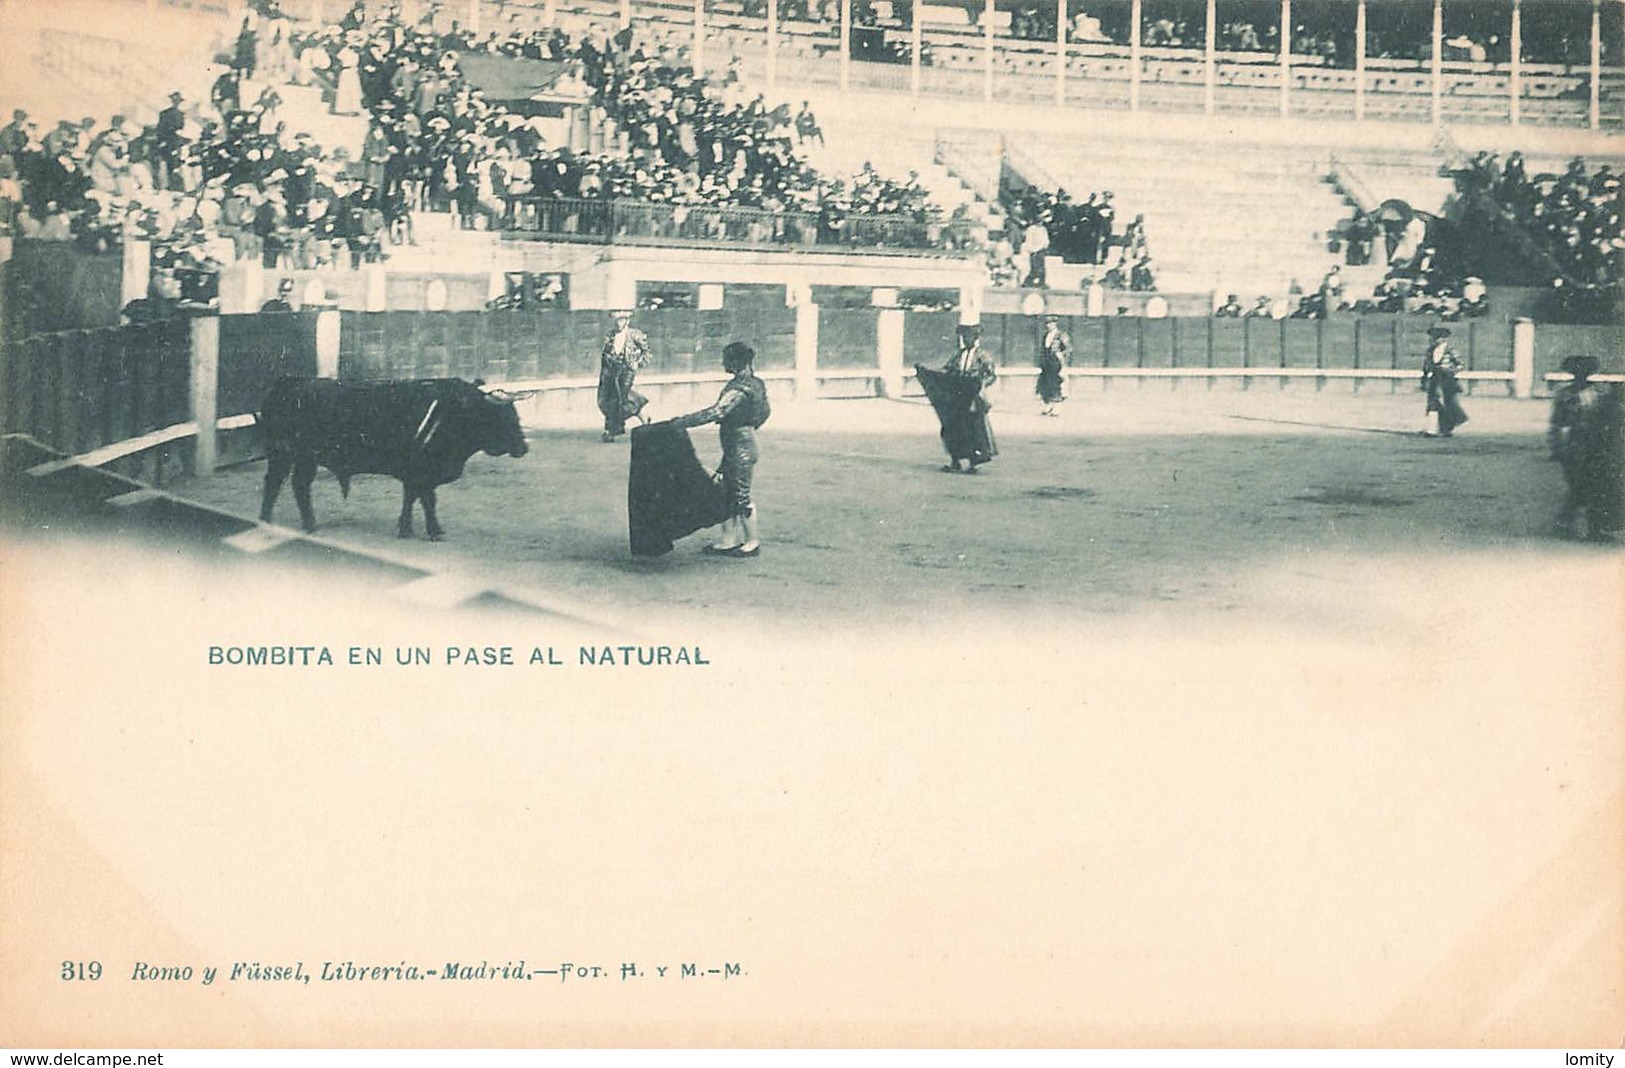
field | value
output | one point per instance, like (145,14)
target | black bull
(419,432)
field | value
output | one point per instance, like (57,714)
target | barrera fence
(114,394)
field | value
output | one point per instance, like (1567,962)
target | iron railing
(635,222)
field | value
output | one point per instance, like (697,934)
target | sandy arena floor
(1239,502)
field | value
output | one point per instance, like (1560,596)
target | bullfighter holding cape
(956,392)
(670,494)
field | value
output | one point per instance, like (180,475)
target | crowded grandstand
(330,138)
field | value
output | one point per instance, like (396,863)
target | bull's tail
(344,484)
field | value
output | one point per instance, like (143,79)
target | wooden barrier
(133,393)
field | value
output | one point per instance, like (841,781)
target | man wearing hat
(1584,436)
(626,349)
(1054,352)
(226,93)
(956,392)
(280,302)
(1440,368)
(299,188)
(167,142)
(14,135)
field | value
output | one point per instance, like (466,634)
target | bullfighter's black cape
(669,493)
(962,409)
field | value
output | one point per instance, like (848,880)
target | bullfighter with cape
(669,493)
(956,392)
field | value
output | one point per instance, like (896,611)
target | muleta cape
(669,493)
(962,410)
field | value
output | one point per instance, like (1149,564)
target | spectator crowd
(1044,224)
(1570,226)
(1574,216)
(222,178)
(1472,33)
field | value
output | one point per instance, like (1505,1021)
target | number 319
(79,969)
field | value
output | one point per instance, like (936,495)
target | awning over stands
(525,86)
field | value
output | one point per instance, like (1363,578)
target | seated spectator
(280,302)
(1141,278)
(1331,291)
(160,303)
(1474,296)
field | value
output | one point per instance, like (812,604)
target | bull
(420,432)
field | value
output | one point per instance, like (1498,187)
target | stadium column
(1286,58)
(806,342)
(1516,39)
(970,301)
(1596,63)
(1135,14)
(135,277)
(1060,52)
(1438,62)
(846,44)
(1359,61)
(1209,55)
(626,13)
(328,324)
(474,16)
(987,52)
(242,287)
(772,41)
(698,51)
(377,287)
(889,350)
(205,375)
(1523,358)
(917,45)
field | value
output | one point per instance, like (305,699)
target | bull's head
(498,422)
